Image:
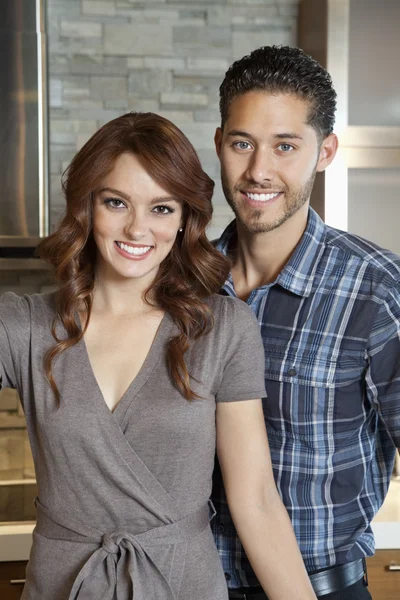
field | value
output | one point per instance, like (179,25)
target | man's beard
(254,224)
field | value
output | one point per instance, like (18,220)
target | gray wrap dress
(123,503)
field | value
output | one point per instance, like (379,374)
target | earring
(180,229)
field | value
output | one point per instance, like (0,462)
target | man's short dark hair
(283,70)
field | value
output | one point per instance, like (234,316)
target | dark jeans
(358,591)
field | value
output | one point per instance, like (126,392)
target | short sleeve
(14,337)
(243,361)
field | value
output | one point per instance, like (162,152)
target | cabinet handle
(393,567)
(17,581)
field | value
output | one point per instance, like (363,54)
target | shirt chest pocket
(312,371)
(309,394)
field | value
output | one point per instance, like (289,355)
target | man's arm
(383,374)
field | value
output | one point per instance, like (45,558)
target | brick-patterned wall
(107,57)
(168,56)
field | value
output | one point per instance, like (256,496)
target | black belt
(324,582)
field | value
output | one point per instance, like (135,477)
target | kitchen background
(106,57)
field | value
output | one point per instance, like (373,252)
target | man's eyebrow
(288,136)
(239,133)
(278,136)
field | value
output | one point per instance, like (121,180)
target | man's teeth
(133,250)
(262,197)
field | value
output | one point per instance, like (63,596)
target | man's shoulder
(378,262)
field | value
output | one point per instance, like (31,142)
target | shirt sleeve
(383,373)
(243,360)
(14,337)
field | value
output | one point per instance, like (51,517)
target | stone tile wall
(107,57)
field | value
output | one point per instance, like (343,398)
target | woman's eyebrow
(116,192)
(164,199)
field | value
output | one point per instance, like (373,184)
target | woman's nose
(136,225)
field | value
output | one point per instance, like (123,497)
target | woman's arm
(260,518)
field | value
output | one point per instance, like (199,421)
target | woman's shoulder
(230,310)
(21,309)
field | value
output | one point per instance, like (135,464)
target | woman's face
(135,222)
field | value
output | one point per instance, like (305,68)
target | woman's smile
(133,251)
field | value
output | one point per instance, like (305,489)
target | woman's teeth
(136,251)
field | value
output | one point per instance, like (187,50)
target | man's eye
(114,203)
(242,145)
(163,210)
(285,147)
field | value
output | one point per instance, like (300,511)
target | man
(328,304)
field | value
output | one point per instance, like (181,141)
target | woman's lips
(133,251)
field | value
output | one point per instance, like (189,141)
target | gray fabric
(122,505)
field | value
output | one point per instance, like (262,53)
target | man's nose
(261,167)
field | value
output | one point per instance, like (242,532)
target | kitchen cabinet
(384,575)
(359,190)
(12,576)
(384,567)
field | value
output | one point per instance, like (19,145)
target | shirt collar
(298,274)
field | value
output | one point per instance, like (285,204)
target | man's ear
(327,151)
(218,141)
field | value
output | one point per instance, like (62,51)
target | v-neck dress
(123,502)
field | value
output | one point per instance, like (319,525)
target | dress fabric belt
(125,564)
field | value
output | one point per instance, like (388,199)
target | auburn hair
(192,271)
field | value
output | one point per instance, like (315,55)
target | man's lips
(259,199)
(261,196)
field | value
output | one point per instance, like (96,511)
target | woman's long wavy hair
(191,272)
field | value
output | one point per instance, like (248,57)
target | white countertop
(16,539)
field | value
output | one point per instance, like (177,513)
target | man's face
(269,157)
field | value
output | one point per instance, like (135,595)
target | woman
(125,373)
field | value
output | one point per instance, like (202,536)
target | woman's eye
(285,147)
(242,145)
(163,210)
(114,203)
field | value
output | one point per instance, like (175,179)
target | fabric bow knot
(109,545)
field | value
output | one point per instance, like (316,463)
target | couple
(136,367)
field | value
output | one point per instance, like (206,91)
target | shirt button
(292,372)
(221,529)
(227,576)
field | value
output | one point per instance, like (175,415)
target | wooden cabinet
(384,575)
(12,576)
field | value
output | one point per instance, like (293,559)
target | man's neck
(259,258)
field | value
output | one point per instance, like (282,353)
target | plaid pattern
(331,330)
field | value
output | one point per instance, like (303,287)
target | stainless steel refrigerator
(23,125)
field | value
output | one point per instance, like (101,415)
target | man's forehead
(280,115)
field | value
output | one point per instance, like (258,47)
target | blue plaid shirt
(331,330)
